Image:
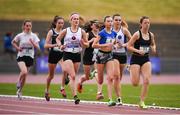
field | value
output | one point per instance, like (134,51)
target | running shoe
(92,74)
(76,99)
(142,105)
(99,96)
(19,94)
(79,88)
(67,80)
(127,67)
(47,96)
(18,85)
(111,103)
(119,101)
(63,93)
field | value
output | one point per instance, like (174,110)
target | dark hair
(115,15)
(142,18)
(87,26)
(56,18)
(106,18)
(102,26)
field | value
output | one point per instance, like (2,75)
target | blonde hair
(124,24)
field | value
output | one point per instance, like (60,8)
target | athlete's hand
(115,46)
(19,49)
(141,52)
(62,47)
(58,45)
(84,44)
(55,45)
(31,41)
(124,45)
(119,44)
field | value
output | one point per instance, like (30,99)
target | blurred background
(164,16)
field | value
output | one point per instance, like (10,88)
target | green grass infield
(159,95)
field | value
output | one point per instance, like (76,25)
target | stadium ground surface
(35,105)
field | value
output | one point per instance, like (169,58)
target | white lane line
(106,111)
(98,108)
(90,102)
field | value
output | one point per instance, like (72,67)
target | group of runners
(105,48)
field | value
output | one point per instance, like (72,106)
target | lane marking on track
(90,106)
(90,102)
(13,99)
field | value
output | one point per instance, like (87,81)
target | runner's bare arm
(84,40)
(131,42)
(153,44)
(60,36)
(14,43)
(127,34)
(48,39)
(35,44)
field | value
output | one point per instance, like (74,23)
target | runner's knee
(24,73)
(100,82)
(116,78)
(135,82)
(73,77)
(109,79)
(51,77)
(146,82)
(87,77)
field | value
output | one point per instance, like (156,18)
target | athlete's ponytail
(87,26)
(124,24)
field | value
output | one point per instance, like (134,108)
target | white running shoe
(119,101)
(19,94)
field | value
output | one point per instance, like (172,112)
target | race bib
(27,50)
(73,50)
(73,47)
(108,40)
(57,49)
(144,48)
